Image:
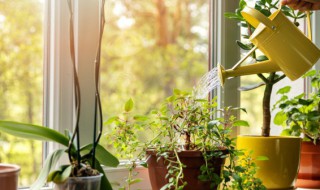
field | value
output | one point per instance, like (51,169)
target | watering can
(287,48)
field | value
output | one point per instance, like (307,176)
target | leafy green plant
(300,114)
(244,177)
(124,137)
(85,160)
(268,80)
(182,123)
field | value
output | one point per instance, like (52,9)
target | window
(150,48)
(21,91)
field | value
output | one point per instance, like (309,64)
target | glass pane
(21,66)
(150,48)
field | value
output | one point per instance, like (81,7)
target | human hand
(302,5)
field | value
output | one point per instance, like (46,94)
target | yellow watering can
(286,47)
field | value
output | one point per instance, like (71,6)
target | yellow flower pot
(280,171)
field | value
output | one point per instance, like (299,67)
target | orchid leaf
(50,163)
(60,175)
(34,132)
(102,155)
(105,184)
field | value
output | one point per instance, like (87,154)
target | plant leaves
(102,155)
(279,118)
(140,117)
(241,123)
(144,164)
(262,58)
(49,164)
(243,46)
(133,181)
(129,105)
(284,90)
(310,73)
(34,132)
(305,102)
(105,184)
(286,132)
(234,16)
(262,158)
(111,120)
(60,175)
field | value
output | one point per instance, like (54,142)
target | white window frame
(224,50)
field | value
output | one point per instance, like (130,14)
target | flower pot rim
(9,168)
(270,137)
(188,153)
(87,177)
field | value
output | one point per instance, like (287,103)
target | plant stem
(98,107)
(270,81)
(180,169)
(76,133)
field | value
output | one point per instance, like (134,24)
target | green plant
(124,138)
(245,174)
(300,114)
(265,7)
(84,161)
(182,123)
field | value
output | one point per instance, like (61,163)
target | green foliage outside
(21,66)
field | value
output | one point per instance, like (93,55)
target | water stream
(206,84)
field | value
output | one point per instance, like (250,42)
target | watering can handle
(254,17)
(309,25)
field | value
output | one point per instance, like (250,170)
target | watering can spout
(256,68)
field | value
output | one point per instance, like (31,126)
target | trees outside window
(21,64)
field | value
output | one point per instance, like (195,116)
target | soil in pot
(309,171)
(193,161)
(9,176)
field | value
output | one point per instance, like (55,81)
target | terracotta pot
(280,171)
(9,176)
(193,161)
(309,171)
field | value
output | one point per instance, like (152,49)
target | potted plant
(189,144)
(9,176)
(84,170)
(300,115)
(280,171)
